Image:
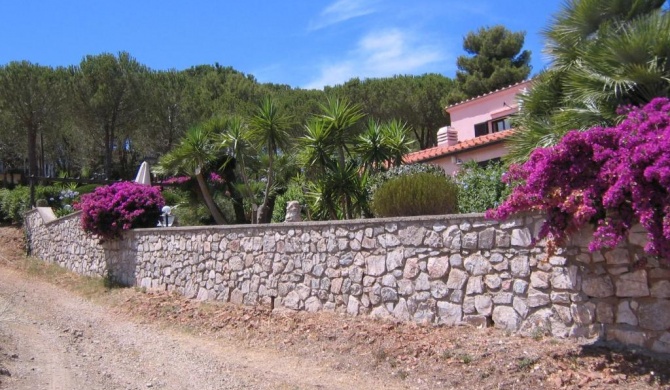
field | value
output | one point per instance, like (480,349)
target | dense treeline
(102,117)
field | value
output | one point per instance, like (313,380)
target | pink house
(479,127)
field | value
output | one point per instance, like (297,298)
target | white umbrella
(143,175)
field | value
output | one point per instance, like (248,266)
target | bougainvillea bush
(110,210)
(612,177)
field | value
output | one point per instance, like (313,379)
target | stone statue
(293,212)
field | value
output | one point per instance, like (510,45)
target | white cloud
(342,10)
(381,54)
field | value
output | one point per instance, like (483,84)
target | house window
(500,125)
(481,129)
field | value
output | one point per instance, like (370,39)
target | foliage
(612,177)
(495,61)
(403,170)
(417,194)
(294,191)
(269,130)
(480,188)
(339,194)
(416,100)
(196,150)
(14,203)
(110,210)
(108,92)
(33,96)
(604,54)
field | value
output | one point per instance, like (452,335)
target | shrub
(418,194)
(110,210)
(378,179)
(480,188)
(14,203)
(611,177)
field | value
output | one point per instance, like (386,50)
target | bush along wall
(444,270)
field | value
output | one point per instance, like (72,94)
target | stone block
(411,268)
(437,267)
(519,304)
(505,317)
(598,286)
(565,278)
(457,279)
(394,259)
(503,298)
(438,290)
(632,284)
(560,297)
(456,260)
(486,238)
(625,315)
(422,283)
(583,313)
(604,313)
(617,256)
(477,264)
(375,265)
(470,240)
(313,304)
(449,313)
(660,289)
(520,266)
(539,279)
(476,321)
(521,237)
(626,336)
(474,286)
(401,312)
(563,314)
(537,298)
(519,286)
(352,306)
(483,304)
(492,281)
(654,315)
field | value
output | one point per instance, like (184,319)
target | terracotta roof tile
(439,151)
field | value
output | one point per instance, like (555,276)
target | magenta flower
(110,210)
(610,177)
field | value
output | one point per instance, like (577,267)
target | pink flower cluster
(612,177)
(177,180)
(110,210)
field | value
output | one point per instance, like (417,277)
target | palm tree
(316,148)
(605,53)
(234,139)
(372,147)
(269,129)
(396,135)
(340,117)
(196,150)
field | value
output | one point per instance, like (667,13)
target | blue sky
(307,43)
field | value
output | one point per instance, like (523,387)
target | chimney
(447,136)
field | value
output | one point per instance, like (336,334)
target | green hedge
(417,194)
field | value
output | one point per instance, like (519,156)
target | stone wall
(439,270)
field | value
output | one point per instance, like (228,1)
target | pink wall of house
(451,165)
(498,104)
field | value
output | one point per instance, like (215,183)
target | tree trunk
(264,213)
(209,201)
(32,151)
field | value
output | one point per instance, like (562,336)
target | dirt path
(61,341)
